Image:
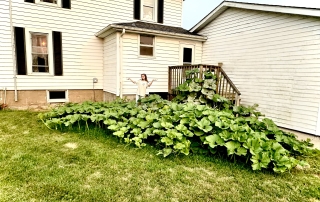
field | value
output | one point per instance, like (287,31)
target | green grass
(38,164)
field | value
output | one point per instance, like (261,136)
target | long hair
(145,76)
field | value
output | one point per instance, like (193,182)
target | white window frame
(155,12)
(28,32)
(153,46)
(57,100)
(59,3)
(182,46)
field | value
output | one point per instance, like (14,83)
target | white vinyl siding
(82,51)
(110,59)
(273,59)
(173,13)
(6,66)
(166,53)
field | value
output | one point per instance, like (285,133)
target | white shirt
(142,87)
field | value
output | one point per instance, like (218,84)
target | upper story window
(149,10)
(50,1)
(58,3)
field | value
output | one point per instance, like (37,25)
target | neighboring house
(76,50)
(272,54)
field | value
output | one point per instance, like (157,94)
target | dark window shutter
(136,9)
(20,50)
(66,4)
(160,11)
(57,53)
(30,1)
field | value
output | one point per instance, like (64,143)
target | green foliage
(181,128)
(200,91)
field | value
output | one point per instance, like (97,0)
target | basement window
(57,96)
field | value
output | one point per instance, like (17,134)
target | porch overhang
(118,28)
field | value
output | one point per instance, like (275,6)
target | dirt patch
(71,145)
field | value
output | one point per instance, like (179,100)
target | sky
(195,10)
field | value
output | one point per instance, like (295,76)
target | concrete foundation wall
(37,99)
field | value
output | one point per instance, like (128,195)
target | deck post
(201,71)
(217,72)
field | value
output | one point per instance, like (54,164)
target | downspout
(121,66)
(13,55)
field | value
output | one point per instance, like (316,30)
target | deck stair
(225,87)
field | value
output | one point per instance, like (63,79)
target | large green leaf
(144,124)
(232,146)
(166,124)
(205,125)
(254,145)
(214,140)
(209,84)
(167,141)
(194,87)
(260,160)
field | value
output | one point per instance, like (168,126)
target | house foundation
(38,99)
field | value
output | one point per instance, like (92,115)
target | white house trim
(261,7)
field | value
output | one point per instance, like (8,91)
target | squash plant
(182,128)
(200,91)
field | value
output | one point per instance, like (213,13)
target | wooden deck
(225,87)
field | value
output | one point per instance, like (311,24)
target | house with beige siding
(76,50)
(272,54)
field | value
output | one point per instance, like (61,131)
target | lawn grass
(38,164)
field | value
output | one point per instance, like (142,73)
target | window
(57,96)
(146,45)
(149,10)
(58,3)
(40,56)
(38,51)
(49,2)
(187,56)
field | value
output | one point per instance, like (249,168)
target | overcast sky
(195,10)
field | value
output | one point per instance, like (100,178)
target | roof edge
(104,32)
(314,12)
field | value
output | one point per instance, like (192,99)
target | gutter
(13,55)
(121,66)
(148,31)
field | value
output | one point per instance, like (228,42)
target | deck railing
(225,87)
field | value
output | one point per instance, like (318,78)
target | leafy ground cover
(183,128)
(38,164)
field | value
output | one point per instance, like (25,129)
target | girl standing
(142,84)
